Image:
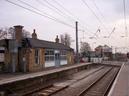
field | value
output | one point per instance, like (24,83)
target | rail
(97,81)
(114,83)
(49,90)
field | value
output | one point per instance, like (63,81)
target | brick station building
(32,54)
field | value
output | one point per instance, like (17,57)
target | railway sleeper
(49,91)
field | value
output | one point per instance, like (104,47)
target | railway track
(52,89)
(49,91)
(101,85)
(37,87)
(77,87)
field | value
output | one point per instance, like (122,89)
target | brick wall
(30,60)
(31,64)
(7,60)
(70,57)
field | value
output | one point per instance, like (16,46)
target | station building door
(57,58)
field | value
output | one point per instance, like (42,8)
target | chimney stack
(57,39)
(34,35)
(18,32)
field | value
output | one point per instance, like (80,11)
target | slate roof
(36,43)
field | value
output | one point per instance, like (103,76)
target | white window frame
(37,56)
(49,56)
(63,56)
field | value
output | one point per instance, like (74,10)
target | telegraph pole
(77,54)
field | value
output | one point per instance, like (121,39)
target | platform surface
(121,84)
(9,78)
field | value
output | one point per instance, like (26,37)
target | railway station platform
(8,78)
(121,84)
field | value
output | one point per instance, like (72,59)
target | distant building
(104,51)
(32,54)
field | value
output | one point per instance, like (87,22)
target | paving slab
(121,84)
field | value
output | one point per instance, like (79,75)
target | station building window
(37,56)
(49,55)
(63,54)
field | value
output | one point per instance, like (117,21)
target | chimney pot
(34,35)
(57,39)
(18,32)
(34,30)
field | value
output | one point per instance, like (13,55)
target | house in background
(104,51)
(32,54)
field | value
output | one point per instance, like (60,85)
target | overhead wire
(41,13)
(36,8)
(46,16)
(57,12)
(80,29)
(98,9)
(101,14)
(64,13)
(67,11)
(38,13)
(76,18)
(125,21)
(86,4)
(41,3)
(50,4)
(111,32)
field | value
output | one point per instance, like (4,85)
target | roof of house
(36,43)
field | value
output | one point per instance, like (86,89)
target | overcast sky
(99,14)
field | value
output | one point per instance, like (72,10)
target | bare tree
(85,47)
(9,33)
(26,34)
(65,39)
(62,40)
(6,33)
